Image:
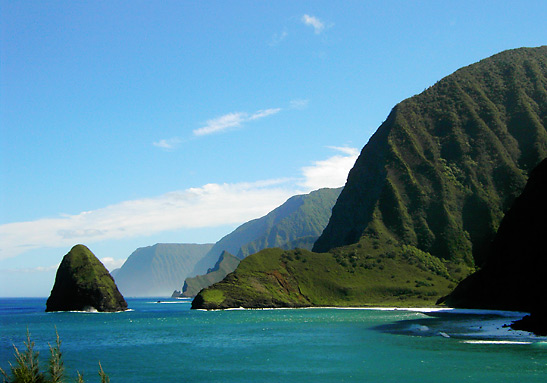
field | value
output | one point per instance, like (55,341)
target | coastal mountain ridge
(300,218)
(225,265)
(424,199)
(159,269)
(296,223)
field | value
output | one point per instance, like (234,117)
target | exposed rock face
(536,323)
(513,277)
(83,283)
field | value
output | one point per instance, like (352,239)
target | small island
(83,283)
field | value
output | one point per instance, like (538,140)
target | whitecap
(495,342)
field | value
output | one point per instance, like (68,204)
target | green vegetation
(225,265)
(27,368)
(425,197)
(444,167)
(296,223)
(302,216)
(82,282)
(357,275)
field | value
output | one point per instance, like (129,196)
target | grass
(364,274)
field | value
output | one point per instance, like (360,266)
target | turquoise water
(167,342)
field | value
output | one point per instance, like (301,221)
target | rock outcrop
(83,283)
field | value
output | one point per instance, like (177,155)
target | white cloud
(332,172)
(208,206)
(312,21)
(168,144)
(31,270)
(352,152)
(299,103)
(264,113)
(278,38)
(232,120)
(111,263)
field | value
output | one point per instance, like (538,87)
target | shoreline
(471,326)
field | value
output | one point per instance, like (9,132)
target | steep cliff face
(298,222)
(159,269)
(83,283)
(444,167)
(513,276)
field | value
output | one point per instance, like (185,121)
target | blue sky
(124,124)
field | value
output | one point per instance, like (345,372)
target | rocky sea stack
(83,283)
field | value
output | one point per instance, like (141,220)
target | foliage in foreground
(27,368)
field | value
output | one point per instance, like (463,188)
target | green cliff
(225,265)
(445,166)
(83,283)
(158,270)
(430,188)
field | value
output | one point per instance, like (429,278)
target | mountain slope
(431,186)
(225,265)
(158,270)
(300,278)
(446,164)
(301,216)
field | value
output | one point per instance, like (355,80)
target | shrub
(424,261)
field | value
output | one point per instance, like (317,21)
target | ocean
(167,342)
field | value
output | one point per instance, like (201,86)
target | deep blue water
(167,342)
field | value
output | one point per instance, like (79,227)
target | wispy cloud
(168,144)
(232,120)
(31,270)
(299,104)
(111,263)
(207,206)
(331,172)
(312,21)
(277,38)
(211,205)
